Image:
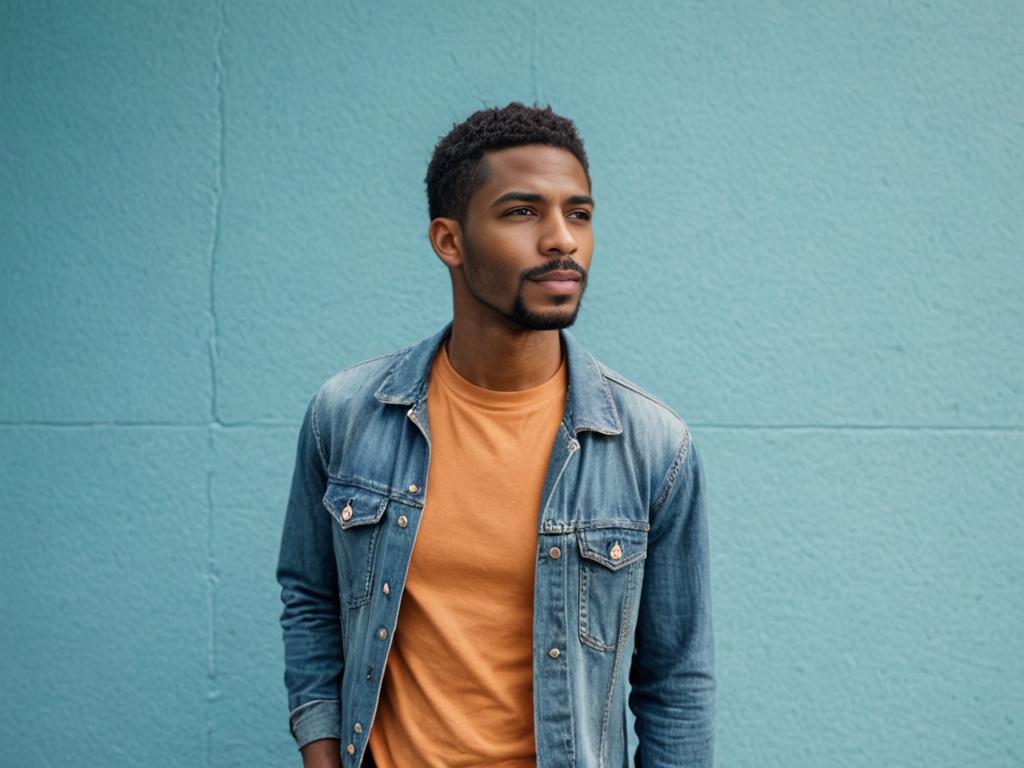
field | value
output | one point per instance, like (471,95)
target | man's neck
(504,359)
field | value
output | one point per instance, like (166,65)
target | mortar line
(291,424)
(858,427)
(111,423)
(218,195)
(212,576)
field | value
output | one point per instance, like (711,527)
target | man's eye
(516,210)
(584,215)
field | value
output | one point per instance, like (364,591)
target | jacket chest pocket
(609,576)
(358,513)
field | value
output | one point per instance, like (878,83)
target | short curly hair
(458,169)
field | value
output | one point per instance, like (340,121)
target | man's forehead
(539,162)
(529,157)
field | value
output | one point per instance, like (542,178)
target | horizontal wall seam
(692,425)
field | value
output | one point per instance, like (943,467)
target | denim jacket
(622,641)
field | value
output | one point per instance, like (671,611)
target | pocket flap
(351,505)
(613,548)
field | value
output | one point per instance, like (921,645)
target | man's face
(527,239)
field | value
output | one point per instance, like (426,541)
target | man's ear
(446,240)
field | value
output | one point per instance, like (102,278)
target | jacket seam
(392,353)
(673,472)
(379,489)
(352,366)
(584,614)
(316,431)
(626,618)
(570,737)
(617,378)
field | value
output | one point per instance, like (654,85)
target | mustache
(537,272)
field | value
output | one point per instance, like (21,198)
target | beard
(543,321)
(478,270)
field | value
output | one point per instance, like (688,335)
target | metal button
(358,727)
(554,553)
(386,589)
(346,513)
(382,633)
(402,521)
(554,653)
(616,552)
(351,749)
(413,488)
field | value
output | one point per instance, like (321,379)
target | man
(495,551)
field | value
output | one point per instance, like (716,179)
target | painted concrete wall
(809,242)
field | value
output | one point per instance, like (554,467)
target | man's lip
(562,274)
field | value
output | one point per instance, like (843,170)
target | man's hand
(322,753)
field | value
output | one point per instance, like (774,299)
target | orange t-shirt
(458,687)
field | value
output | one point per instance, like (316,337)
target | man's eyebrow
(533,197)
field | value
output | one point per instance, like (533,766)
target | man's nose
(558,237)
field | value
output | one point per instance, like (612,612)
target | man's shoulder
(639,409)
(638,397)
(652,427)
(358,380)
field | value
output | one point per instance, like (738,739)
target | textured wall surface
(809,242)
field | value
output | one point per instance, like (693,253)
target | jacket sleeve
(672,674)
(307,574)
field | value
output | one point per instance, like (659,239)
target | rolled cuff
(319,719)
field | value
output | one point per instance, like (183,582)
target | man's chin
(545,321)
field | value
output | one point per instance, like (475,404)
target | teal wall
(809,242)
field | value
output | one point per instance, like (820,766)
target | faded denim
(623,659)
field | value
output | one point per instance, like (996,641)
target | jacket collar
(589,403)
